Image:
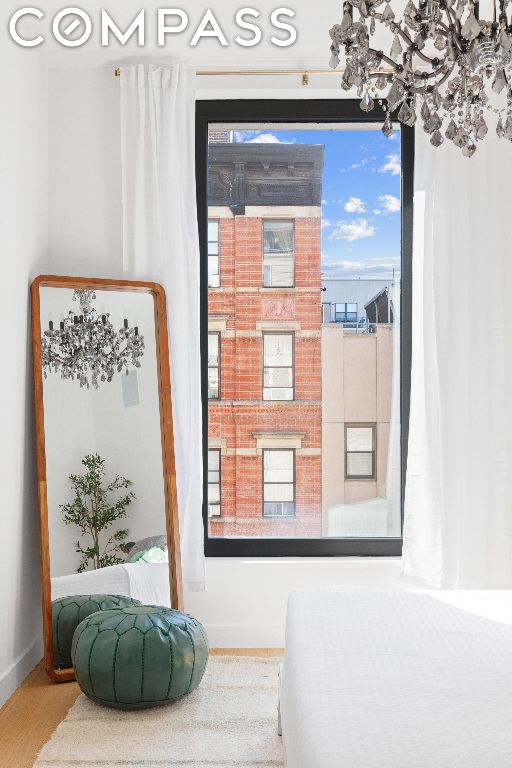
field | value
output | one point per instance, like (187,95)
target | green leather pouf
(68,612)
(134,658)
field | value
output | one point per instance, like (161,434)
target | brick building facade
(264,324)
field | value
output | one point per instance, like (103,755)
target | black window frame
(217,221)
(345,315)
(214,399)
(259,111)
(267,220)
(294,485)
(263,366)
(219,483)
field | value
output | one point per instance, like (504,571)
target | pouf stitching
(142,672)
(89,663)
(80,635)
(172,666)
(114,668)
(59,648)
(194,663)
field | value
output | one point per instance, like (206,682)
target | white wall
(85,209)
(244,605)
(23,245)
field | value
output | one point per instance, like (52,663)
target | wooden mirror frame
(166,432)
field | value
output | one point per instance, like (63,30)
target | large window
(213,254)
(360,452)
(213,366)
(278,366)
(213,483)
(308,327)
(278,483)
(278,254)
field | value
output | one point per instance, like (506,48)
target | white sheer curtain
(458,511)
(161,244)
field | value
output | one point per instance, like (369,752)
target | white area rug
(229,721)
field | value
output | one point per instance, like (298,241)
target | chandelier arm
(446,75)
(398,29)
(403,34)
(457,27)
(417,75)
(443,26)
(423,90)
(383,57)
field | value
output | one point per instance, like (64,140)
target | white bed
(147,582)
(381,679)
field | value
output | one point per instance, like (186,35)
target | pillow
(144,545)
(152,555)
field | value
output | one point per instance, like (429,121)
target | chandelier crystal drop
(445,65)
(87,347)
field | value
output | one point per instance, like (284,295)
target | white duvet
(147,582)
(376,679)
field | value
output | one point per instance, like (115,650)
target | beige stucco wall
(357,371)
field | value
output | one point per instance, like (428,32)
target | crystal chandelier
(444,62)
(87,347)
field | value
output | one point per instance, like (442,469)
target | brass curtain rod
(263,72)
(221,72)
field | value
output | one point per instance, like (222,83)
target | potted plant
(94,510)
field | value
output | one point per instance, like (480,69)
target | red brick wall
(243,303)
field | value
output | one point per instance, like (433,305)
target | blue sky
(361,197)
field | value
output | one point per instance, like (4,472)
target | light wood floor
(33,712)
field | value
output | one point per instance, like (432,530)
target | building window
(213,254)
(278,254)
(278,366)
(278,483)
(213,483)
(345,313)
(360,452)
(213,366)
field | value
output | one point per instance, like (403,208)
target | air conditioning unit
(278,393)
(213,510)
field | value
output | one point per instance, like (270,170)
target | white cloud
(377,211)
(258,137)
(326,223)
(392,165)
(352,230)
(354,205)
(267,138)
(389,203)
(364,268)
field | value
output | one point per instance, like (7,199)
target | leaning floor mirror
(105,452)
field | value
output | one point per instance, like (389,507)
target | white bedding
(147,582)
(376,679)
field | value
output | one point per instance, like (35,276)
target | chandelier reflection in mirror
(444,63)
(87,347)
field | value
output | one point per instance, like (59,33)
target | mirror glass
(104,468)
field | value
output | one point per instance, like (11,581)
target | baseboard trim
(252,652)
(236,636)
(19,669)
